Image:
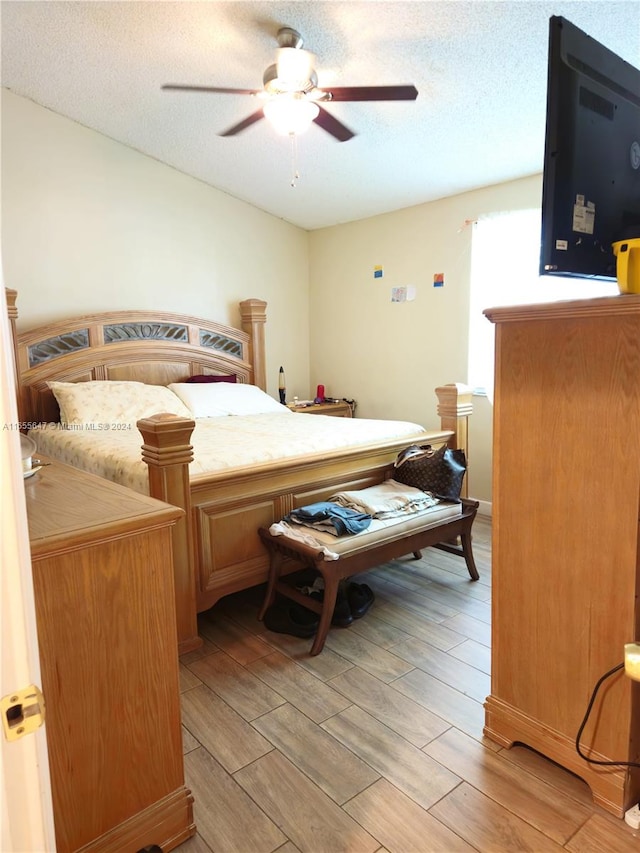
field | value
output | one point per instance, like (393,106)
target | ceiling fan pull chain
(295,175)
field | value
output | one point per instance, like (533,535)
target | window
(505,255)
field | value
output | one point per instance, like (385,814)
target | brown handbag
(440,471)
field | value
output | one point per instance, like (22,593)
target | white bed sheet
(219,444)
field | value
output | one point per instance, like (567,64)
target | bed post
(167,451)
(253,313)
(454,408)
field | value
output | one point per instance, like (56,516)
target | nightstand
(336,410)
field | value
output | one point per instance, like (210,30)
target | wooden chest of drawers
(566,536)
(105,612)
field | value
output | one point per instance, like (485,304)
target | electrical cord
(586,718)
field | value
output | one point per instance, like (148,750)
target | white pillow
(216,399)
(102,404)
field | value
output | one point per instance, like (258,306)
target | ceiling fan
(292,98)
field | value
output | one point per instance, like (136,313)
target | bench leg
(331,583)
(467,551)
(463,550)
(275,565)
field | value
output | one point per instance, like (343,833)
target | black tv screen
(591,178)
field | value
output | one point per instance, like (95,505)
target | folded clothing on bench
(396,526)
(390,499)
(332,517)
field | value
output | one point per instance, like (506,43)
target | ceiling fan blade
(372,93)
(331,124)
(244,124)
(178,87)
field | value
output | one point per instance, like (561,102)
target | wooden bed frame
(217,549)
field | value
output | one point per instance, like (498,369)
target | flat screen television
(591,178)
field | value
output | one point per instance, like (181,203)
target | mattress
(220,444)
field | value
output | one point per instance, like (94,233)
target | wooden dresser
(566,528)
(106,621)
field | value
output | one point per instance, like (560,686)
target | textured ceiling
(479,67)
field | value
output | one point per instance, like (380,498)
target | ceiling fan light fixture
(291,95)
(294,69)
(290,114)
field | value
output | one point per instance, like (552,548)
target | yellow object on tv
(627,254)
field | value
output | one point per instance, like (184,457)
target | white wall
(90,225)
(391,356)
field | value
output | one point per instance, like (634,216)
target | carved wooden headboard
(145,346)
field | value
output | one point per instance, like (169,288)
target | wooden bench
(362,552)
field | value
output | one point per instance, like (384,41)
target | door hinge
(22,712)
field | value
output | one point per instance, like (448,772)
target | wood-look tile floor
(376,744)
